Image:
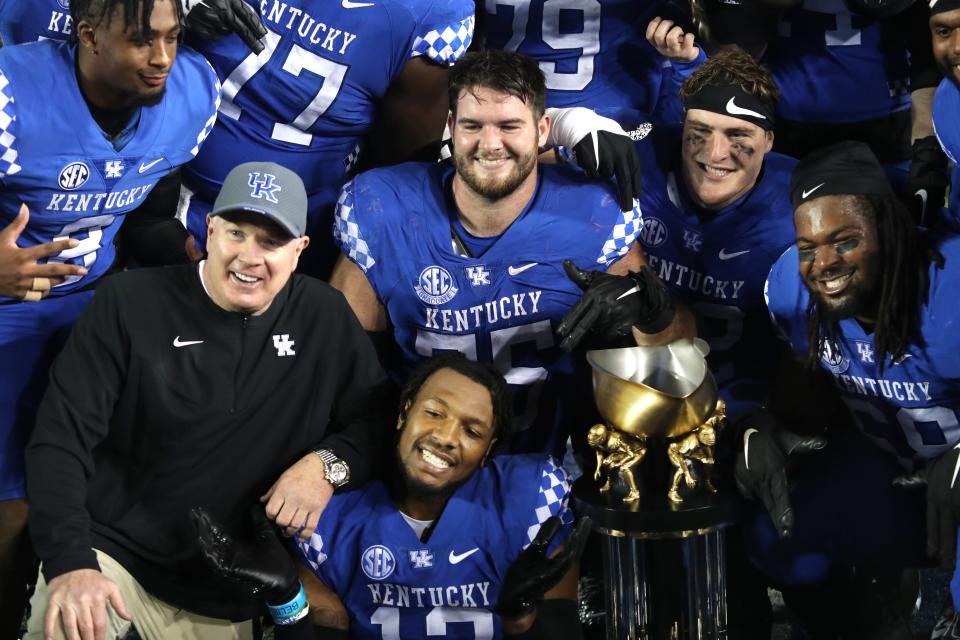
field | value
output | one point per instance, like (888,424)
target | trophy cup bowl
(663,391)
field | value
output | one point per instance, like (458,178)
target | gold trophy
(653,393)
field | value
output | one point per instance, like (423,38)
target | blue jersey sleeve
(444,32)
(348,218)
(201,102)
(946,119)
(328,550)
(626,230)
(552,500)
(786,299)
(8,129)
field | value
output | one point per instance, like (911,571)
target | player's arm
(410,121)
(353,284)
(328,615)
(538,597)
(265,566)
(626,305)
(929,170)
(151,235)
(74,417)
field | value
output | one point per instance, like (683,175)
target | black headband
(732,100)
(941,6)
(844,168)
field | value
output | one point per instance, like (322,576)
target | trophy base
(664,570)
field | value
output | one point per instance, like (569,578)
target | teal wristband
(292,611)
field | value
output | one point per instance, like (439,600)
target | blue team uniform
(717,263)
(22,21)
(307,100)
(909,410)
(946,124)
(77,184)
(823,51)
(396,586)
(502,306)
(592,52)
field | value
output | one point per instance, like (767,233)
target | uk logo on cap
(264,186)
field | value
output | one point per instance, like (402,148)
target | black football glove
(612,305)
(212,19)
(761,467)
(601,148)
(263,564)
(532,574)
(929,179)
(943,503)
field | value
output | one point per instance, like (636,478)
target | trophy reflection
(652,394)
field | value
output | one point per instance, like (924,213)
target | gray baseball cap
(268,189)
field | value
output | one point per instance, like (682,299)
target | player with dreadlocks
(896,296)
(873,303)
(90,130)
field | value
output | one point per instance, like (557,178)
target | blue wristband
(292,611)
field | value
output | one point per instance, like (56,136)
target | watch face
(337,473)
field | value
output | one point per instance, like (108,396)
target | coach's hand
(261,564)
(78,599)
(212,19)
(600,147)
(943,503)
(21,275)
(298,497)
(761,468)
(532,574)
(929,179)
(670,41)
(611,305)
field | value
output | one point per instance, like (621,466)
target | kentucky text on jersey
(472,595)
(291,18)
(55,24)
(482,315)
(112,200)
(694,280)
(890,389)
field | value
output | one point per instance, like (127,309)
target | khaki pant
(154,618)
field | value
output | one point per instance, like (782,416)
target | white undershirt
(418,526)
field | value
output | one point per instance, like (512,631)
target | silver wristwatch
(335,470)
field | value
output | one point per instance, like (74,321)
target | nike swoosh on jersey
(456,558)
(347,4)
(515,271)
(735,110)
(185,343)
(146,167)
(807,192)
(726,256)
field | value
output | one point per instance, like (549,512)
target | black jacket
(135,430)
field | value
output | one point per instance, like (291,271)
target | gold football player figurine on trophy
(646,393)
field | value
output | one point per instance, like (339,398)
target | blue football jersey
(718,264)
(836,66)
(306,101)
(396,586)
(31,20)
(911,408)
(501,307)
(592,52)
(56,160)
(946,124)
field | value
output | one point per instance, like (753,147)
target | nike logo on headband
(734,110)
